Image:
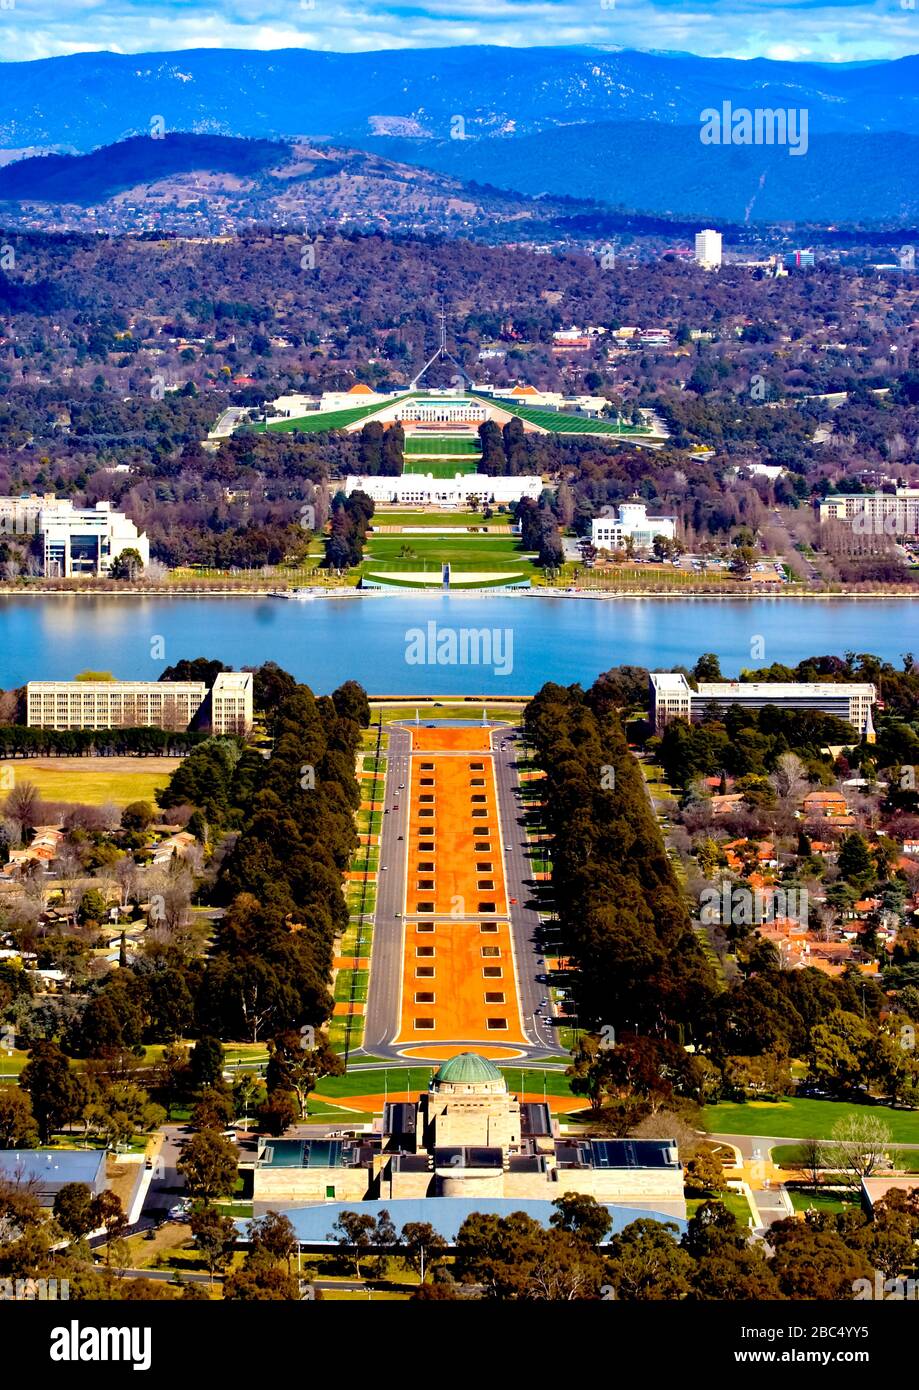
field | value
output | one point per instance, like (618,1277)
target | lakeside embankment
(437,591)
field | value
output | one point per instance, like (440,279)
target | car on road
(401,837)
(180,1210)
(383,868)
(514,901)
(402,786)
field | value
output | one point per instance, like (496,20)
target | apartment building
(708,249)
(672,697)
(231,703)
(113,704)
(875,513)
(226,709)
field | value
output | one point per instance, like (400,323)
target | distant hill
(93,178)
(212,183)
(91,99)
(666,169)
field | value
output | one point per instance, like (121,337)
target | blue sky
(814,30)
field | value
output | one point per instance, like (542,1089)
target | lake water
(389,645)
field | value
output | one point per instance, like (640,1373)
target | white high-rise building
(708,249)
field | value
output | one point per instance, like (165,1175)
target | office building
(875,513)
(672,697)
(173,705)
(631,524)
(708,249)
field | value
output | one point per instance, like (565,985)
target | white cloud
(787,29)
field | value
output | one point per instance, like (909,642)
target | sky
(829,31)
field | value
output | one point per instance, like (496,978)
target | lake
(415,644)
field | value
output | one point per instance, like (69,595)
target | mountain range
(91,99)
(620,127)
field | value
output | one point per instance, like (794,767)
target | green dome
(468,1068)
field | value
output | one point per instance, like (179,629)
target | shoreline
(313,595)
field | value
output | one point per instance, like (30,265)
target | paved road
(384,1000)
(518,870)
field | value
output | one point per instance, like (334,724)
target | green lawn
(804,1199)
(441,444)
(326,420)
(440,467)
(735,1202)
(436,709)
(384,517)
(462,553)
(792,1156)
(558,423)
(800,1118)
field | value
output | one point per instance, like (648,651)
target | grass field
(558,423)
(441,444)
(92,780)
(800,1118)
(440,468)
(793,1156)
(326,420)
(735,1202)
(384,517)
(479,553)
(438,709)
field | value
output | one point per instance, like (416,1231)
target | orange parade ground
(458,979)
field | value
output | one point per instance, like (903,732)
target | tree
(74,1211)
(582,1215)
(137,815)
(514,1258)
(814,1263)
(707,668)
(354,1232)
(422,1245)
(856,1147)
(206,1062)
(18,1129)
(704,1172)
(645,1263)
(107,1212)
(277,1112)
(213,1109)
(128,565)
(52,1086)
(258,1280)
(811,1160)
(274,1234)
(215,1236)
(208,1165)
(855,863)
(841,1048)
